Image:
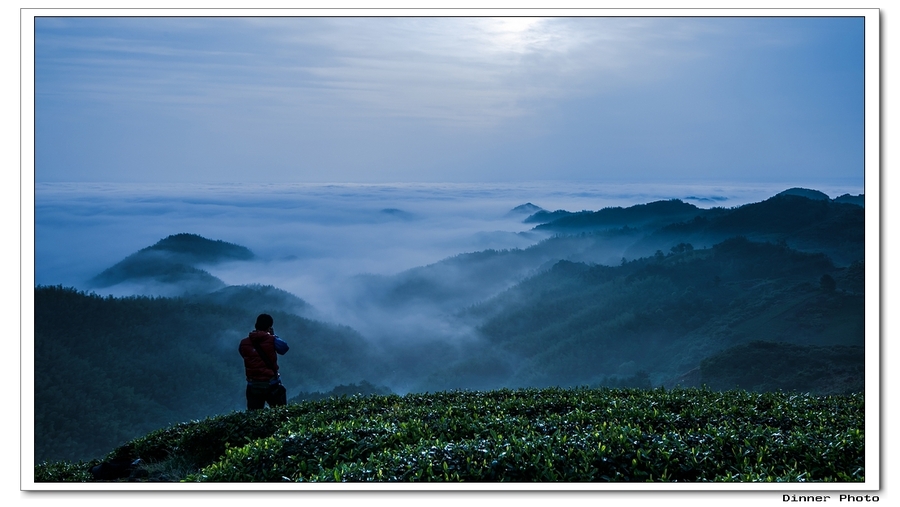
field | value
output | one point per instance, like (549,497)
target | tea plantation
(573,435)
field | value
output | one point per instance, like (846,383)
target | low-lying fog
(312,240)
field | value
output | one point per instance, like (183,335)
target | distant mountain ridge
(172,261)
(811,225)
(197,249)
(613,234)
(858,200)
(525,209)
(662,314)
(806,219)
(656,213)
(806,192)
(544,216)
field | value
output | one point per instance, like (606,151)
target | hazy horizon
(310,239)
(452,120)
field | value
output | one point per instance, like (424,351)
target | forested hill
(110,369)
(798,217)
(580,324)
(174,261)
(654,214)
(193,248)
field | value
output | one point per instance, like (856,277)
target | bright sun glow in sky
(458,99)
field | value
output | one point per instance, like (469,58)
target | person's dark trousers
(260,393)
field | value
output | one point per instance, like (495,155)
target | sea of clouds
(309,239)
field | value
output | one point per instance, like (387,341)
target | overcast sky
(627,100)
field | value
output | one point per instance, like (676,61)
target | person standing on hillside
(260,352)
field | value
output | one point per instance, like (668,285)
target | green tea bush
(570,435)
(64,471)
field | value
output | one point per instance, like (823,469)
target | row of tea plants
(680,435)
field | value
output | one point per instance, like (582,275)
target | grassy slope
(683,435)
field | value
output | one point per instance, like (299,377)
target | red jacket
(254,366)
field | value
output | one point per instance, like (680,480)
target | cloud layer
(311,238)
(448,99)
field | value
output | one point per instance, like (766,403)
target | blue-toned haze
(374,167)
(293,136)
(278,100)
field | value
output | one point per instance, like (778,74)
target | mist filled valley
(142,294)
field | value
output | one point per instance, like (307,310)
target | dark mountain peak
(201,249)
(787,213)
(806,192)
(657,213)
(859,200)
(669,205)
(525,209)
(397,213)
(785,204)
(544,216)
(172,261)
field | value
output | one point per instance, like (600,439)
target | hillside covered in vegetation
(763,297)
(543,435)
(173,261)
(110,369)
